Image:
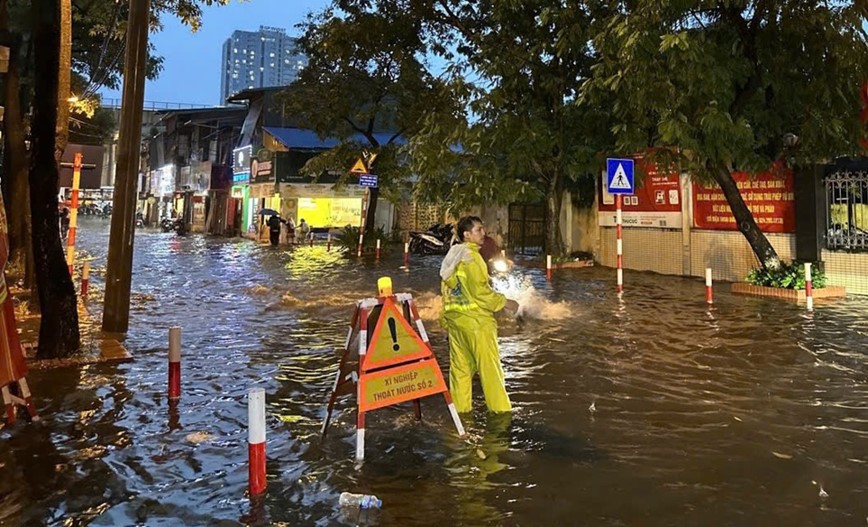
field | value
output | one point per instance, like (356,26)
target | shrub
(788,276)
(348,240)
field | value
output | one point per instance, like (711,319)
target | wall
(688,251)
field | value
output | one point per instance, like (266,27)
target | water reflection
(649,409)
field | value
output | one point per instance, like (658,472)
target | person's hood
(457,254)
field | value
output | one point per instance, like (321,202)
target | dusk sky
(191,65)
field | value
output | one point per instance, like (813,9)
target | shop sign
(769,196)
(262,171)
(314,190)
(241,159)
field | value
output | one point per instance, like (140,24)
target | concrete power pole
(116,314)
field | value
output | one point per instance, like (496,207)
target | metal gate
(527,228)
(847,211)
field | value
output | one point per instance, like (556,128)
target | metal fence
(847,210)
(526,229)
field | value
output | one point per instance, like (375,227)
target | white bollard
(709,295)
(809,289)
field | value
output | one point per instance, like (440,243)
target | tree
(58,329)
(516,67)
(365,85)
(59,332)
(504,126)
(733,86)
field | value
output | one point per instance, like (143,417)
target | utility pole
(116,314)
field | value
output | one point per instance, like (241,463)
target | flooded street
(654,410)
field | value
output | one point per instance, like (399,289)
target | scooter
(433,241)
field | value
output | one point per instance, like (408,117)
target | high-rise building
(259,59)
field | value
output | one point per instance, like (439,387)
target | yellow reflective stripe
(461,307)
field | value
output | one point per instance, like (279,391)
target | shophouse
(189,159)
(267,172)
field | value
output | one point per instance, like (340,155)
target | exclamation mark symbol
(394,331)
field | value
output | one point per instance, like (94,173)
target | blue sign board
(619,176)
(367,180)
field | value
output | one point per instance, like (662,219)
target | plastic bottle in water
(362,501)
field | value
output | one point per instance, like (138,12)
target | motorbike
(436,240)
(173,224)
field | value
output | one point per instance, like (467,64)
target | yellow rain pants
(469,305)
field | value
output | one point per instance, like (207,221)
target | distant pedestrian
(304,230)
(274,229)
(290,231)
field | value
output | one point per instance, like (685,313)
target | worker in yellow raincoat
(469,305)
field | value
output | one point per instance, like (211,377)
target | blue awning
(305,139)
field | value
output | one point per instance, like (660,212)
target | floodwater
(651,410)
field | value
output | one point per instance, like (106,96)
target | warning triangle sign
(619,180)
(359,167)
(394,341)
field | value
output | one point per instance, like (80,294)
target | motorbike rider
(469,304)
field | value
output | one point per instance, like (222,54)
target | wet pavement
(653,409)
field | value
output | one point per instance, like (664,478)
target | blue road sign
(619,176)
(368,180)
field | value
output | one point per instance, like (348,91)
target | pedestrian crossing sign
(619,176)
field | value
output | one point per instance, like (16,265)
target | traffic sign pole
(619,243)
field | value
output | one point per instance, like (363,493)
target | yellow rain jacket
(469,305)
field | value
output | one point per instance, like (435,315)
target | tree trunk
(760,245)
(64,82)
(16,162)
(370,215)
(554,198)
(58,331)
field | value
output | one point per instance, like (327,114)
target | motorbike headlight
(500,265)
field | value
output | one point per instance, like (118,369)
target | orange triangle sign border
(394,341)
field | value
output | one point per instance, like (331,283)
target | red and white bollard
(619,243)
(329,243)
(256,440)
(548,267)
(174,363)
(378,249)
(85,278)
(407,255)
(361,239)
(709,294)
(809,289)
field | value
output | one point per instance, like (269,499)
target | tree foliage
(365,85)
(733,86)
(504,126)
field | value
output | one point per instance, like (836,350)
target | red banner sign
(656,202)
(769,196)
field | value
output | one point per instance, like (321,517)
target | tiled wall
(726,252)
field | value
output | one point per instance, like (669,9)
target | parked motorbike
(436,240)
